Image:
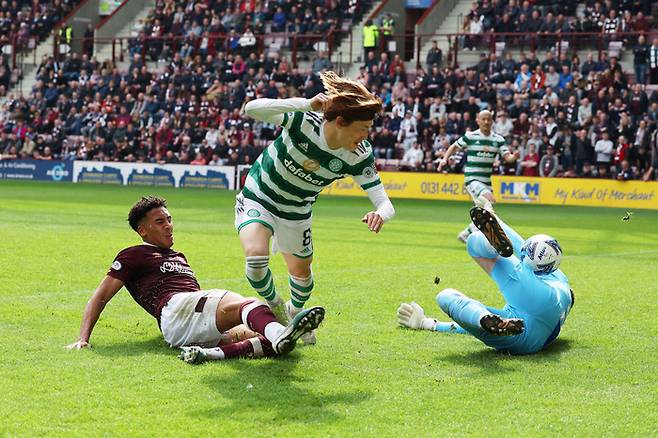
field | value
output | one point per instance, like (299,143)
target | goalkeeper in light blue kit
(537,294)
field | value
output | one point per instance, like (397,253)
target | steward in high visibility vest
(388,24)
(65,34)
(370,34)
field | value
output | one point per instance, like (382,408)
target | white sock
(273,330)
(291,310)
(277,301)
(258,347)
(214,353)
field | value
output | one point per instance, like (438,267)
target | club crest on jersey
(368,172)
(253,213)
(311,165)
(335,165)
(116,265)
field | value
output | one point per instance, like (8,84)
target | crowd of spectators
(239,26)
(564,117)
(544,16)
(587,120)
(25,19)
(188,112)
(23,24)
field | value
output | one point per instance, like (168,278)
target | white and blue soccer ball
(541,253)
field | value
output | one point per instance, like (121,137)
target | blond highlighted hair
(349,99)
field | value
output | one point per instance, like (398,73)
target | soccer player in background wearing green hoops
(481,147)
(323,139)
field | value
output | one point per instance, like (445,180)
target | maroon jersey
(152,275)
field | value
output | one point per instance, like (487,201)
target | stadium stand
(193,68)
(23,24)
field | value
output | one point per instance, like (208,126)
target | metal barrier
(304,45)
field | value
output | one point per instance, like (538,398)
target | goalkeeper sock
(448,327)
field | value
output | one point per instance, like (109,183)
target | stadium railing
(612,43)
(305,45)
(151,47)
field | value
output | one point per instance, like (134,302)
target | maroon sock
(256,315)
(245,349)
(237,349)
(268,350)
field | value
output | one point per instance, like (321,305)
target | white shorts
(290,237)
(476,189)
(189,318)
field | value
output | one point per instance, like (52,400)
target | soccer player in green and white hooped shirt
(312,151)
(481,147)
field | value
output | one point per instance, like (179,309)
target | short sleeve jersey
(481,151)
(152,275)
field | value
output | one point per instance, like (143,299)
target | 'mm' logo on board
(519,191)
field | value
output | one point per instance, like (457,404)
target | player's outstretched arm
(273,110)
(444,161)
(375,219)
(104,293)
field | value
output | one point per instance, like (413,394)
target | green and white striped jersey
(292,171)
(481,151)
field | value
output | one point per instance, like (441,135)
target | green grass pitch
(366,376)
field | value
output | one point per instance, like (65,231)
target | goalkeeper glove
(411,315)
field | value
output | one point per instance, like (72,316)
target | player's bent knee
(228,311)
(256,250)
(474,243)
(446,296)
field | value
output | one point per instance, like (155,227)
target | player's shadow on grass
(490,361)
(268,389)
(154,345)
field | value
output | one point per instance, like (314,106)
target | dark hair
(141,209)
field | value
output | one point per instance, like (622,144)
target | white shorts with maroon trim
(189,318)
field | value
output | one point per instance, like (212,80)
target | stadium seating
(94,110)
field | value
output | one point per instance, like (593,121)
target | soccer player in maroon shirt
(201,322)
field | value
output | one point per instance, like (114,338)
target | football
(541,253)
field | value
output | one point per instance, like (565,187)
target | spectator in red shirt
(199,160)
(530,163)
(537,82)
(621,151)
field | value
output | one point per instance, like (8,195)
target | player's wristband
(428,324)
